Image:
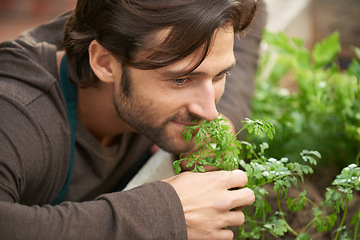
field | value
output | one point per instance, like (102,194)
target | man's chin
(171,140)
(176,148)
(176,151)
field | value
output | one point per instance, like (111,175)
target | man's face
(159,105)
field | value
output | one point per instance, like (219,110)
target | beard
(142,115)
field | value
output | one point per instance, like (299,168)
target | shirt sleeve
(151,211)
(236,100)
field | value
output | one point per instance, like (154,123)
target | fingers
(222,234)
(234,219)
(225,234)
(235,179)
(207,200)
(242,198)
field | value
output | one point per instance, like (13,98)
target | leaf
(356,218)
(279,228)
(176,166)
(308,156)
(259,127)
(325,51)
(303,236)
(290,203)
(201,168)
(357,52)
(331,218)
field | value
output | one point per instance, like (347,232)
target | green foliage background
(323,113)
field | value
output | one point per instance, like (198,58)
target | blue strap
(69,90)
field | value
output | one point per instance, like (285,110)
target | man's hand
(207,200)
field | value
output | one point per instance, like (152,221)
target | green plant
(217,147)
(321,109)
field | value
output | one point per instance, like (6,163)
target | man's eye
(221,75)
(181,81)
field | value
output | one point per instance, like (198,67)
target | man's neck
(98,115)
(97,112)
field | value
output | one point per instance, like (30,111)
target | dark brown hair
(125,27)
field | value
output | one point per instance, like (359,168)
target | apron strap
(69,91)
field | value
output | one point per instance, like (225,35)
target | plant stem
(282,215)
(307,225)
(311,202)
(357,226)
(343,218)
(263,219)
(311,222)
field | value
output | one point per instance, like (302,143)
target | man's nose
(203,103)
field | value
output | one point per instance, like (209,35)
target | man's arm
(151,211)
(29,180)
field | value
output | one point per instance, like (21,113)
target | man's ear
(102,62)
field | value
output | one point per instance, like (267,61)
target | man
(76,119)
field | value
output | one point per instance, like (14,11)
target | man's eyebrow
(179,74)
(229,68)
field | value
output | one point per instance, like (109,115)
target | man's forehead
(220,57)
(183,66)
(160,36)
(156,48)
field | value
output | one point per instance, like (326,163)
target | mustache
(187,119)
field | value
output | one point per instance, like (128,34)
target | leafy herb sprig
(211,137)
(216,145)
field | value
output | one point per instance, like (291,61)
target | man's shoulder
(50,32)
(28,63)
(27,70)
